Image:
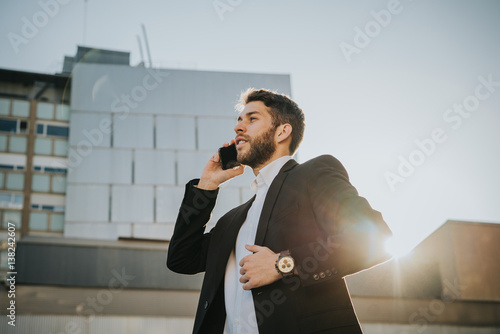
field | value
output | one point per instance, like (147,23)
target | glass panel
(18,201)
(60,131)
(40,183)
(39,129)
(38,221)
(5,199)
(4,106)
(43,146)
(20,108)
(56,170)
(15,181)
(59,208)
(12,217)
(10,200)
(61,147)
(58,184)
(62,112)
(8,125)
(56,222)
(3,143)
(45,110)
(17,144)
(1,179)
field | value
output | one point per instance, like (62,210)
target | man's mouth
(240,141)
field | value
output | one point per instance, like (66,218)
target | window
(59,131)
(52,130)
(15,181)
(56,170)
(38,221)
(17,144)
(13,125)
(50,169)
(9,216)
(61,148)
(11,200)
(41,183)
(45,110)
(56,222)
(58,184)
(8,125)
(3,143)
(46,217)
(43,146)
(20,108)
(62,112)
(55,183)
(4,107)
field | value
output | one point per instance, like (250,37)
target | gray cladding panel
(91,266)
(124,89)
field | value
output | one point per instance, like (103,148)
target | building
(93,167)
(95,190)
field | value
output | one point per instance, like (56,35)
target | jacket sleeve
(187,251)
(354,233)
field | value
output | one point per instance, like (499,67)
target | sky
(406,94)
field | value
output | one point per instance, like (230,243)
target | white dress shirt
(240,310)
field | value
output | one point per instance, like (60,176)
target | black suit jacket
(310,209)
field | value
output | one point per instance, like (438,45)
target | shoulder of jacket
(325,160)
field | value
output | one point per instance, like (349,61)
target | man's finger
(253,248)
(244,279)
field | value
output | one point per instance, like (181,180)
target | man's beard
(262,149)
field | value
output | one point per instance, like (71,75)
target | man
(276,263)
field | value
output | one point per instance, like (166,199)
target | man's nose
(239,128)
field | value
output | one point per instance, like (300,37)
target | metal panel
(87,203)
(132,204)
(102,165)
(154,167)
(175,132)
(124,89)
(72,262)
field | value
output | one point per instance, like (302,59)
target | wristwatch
(285,264)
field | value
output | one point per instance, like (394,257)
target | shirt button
(206,305)
(315,277)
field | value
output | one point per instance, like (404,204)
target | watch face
(286,264)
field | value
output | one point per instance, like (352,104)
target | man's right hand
(213,175)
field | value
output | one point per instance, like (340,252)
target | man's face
(255,132)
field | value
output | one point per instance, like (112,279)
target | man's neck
(256,170)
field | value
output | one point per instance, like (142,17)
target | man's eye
(253,118)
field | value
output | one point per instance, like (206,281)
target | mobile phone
(228,157)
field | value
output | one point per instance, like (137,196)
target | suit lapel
(270,200)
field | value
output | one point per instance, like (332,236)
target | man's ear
(283,132)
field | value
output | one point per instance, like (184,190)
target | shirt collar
(269,172)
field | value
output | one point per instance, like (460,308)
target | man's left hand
(258,269)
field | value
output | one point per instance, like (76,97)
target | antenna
(147,44)
(140,49)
